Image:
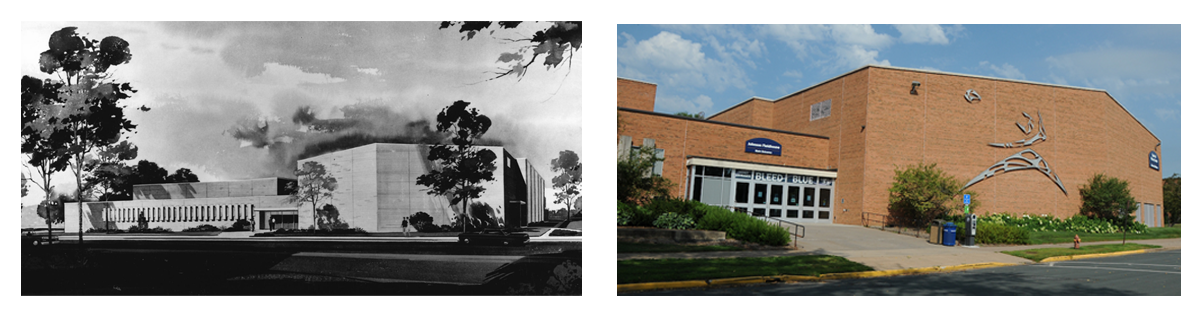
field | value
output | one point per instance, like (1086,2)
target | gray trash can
(948,231)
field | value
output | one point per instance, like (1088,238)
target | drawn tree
(312,186)
(463,167)
(569,181)
(80,111)
(551,43)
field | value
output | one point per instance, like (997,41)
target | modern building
(376,190)
(827,153)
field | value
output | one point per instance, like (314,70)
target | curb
(799,278)
(1096,255)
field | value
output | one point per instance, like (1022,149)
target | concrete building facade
(1024,147)
(376,190)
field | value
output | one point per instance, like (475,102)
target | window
(760,193)
(658,153)
(759,212)
(820,110)
(776,194)
(809,193)
(775,212)
(824,197)
(743,193)
(792,213)
(793,196)
(696,183)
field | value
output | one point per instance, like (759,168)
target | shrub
(202,228)
(991,233)
(659,206)
(635,183)
(674,221)
(422,222)
(240,225)
(744,227)
(634,215)
(922,192)
(156,229)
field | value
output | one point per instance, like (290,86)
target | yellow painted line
(799,278)
(1089,256)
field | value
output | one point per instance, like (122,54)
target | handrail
(797,229)
(886,221)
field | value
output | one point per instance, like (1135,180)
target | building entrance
(278,219)
(790,197)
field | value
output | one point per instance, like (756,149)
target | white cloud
(933,34)
(856,56)
(1004,71)
(793,74)
(862,35)
(673,61)
(673,104)
(1120,70)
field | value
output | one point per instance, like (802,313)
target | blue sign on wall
(764,146)
(967,199)
(1153,160)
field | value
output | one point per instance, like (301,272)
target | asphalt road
(1156,273)
(299,268)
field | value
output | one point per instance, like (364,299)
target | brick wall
(635,94)
(682,137)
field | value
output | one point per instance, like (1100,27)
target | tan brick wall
(635,94)
(680,138)
(1087,133)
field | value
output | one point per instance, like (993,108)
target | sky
(202,81)
(709,68)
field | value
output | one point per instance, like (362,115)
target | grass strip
(1037,255)
(639,271)
(625,247)
(1068,237)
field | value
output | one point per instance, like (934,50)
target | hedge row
(683,214)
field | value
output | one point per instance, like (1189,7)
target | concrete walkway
(883,250)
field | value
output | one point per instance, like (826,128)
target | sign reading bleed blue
(1153,160)
(764,146)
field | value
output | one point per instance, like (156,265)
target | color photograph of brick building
(827,153)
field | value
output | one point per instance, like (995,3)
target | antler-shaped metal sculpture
(1041,135)
(1018,162)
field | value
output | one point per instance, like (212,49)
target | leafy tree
(571,178)
(107,171)
(551,43)
(463,166)
(697,115)
(921,193)
(114,181)
(1106,197)
(1109,198)
(182,175)
(312,185)
(41,146)
(1171,202)
(329,219)
(635,183)
(422,222)
(84,113)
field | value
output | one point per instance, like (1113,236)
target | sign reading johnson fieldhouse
(763,146)
(1153,160)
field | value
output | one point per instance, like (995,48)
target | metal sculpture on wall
(971,95)
(1020,161)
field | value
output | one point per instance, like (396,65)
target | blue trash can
(948,231)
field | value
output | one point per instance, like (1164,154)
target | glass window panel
(743,193)
(793,196)
(824,215)
(792,213)
(776,194)
(759,212)
(824,197)
(739,209)
(775,212)
(808,214)
(696,183)
(760,193)
(809,194)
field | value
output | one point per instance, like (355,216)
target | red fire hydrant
(1076,241)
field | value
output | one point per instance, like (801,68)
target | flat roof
(654,113)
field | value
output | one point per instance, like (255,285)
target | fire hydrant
(1076,241)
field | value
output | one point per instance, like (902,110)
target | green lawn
(1068,237)
(623,247)
(639,271)
(1038,255)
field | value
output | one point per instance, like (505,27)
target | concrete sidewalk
(884,250)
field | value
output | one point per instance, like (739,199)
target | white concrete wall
(175,214)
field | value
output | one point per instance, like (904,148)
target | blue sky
(708,68)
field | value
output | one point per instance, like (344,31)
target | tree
(463,166)
(182,175)
(107,171)
(41,144)
(635,183)
(84,113)
(330,219)
(1106,197)
(114,181)
(1171,202)
(697,115)
(571,178)
(551,42)
(921,193)
(312,185)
